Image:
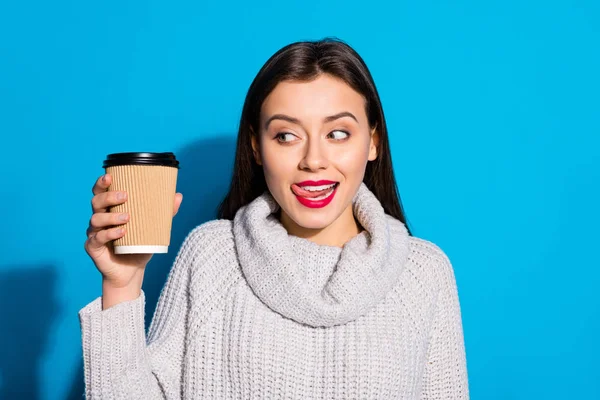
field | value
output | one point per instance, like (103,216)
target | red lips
(315,183)
(304,196)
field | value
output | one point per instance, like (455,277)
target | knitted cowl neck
(314,284)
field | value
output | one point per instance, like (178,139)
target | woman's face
(315,142)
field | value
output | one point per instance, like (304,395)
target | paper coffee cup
(150,182)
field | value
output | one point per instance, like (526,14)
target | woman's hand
(121,273)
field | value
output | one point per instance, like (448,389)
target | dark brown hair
(305,61)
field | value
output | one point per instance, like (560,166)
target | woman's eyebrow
(340,115)
(282,117)
(297,121)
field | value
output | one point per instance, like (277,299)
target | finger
(102,184)
(101,221)
(177,204)
(102,201)
(101,238)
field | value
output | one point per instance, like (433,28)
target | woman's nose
(315,157)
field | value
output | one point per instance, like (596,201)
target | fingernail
(120,196)
(104,178)
(123,217)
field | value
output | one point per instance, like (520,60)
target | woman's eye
(285,137)
(339,135)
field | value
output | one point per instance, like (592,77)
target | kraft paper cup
(150,181)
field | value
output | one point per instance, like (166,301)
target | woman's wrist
(113,295)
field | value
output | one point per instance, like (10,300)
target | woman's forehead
(318,98)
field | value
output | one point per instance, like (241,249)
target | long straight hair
(305,61)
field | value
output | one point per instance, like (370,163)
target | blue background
(494,116)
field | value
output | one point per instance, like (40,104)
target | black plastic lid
(163,159)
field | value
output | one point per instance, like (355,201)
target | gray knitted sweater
(250,312)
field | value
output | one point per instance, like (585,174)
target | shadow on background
(30,305)
(203,178)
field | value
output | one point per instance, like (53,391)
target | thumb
(177,204)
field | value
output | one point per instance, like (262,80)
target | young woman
(308,286)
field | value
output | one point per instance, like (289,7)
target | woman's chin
(309,219)
(305,217)
(311,224)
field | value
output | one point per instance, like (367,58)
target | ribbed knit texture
(250,312)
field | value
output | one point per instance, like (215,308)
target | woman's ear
(374,144)
(255,147)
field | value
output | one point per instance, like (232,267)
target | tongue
(305,193)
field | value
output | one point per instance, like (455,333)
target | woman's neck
(344,228)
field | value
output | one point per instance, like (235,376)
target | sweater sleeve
(445,375)
(119,361)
